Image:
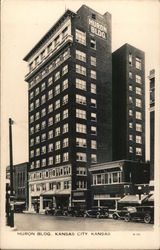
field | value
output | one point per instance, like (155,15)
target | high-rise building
(152,121)
(128,91)
(70,107)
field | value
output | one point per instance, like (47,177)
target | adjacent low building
(113,180)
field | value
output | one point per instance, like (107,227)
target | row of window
(137,62)
(138,150)
(50,47)
(138,138)
(138,101)
(59,171)
(138,126)
(138,78)
(81,38)
(81,157)
(138,90)
(50,186)
(138,114)
(80,55)
(107,178)
(82,70)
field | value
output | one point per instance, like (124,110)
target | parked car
(97,212)
(142,213)
(50,210)
(19,207)
(76,211)
(120,214)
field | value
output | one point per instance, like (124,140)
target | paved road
(40,222)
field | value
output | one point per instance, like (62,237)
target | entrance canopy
(134,199)
(56,192)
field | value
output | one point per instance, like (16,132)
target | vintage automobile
(97,212)
(50,210)
(19,207)
(76,211)
(141,213)
(120,214)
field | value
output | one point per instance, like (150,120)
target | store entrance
(62,202)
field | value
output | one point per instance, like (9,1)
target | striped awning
(133,199)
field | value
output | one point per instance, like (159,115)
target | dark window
(94,16)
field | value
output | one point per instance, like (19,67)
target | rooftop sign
(97,28)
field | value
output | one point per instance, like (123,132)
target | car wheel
(147,218)
(127,218)
(115,217)
(85,216)
(98,216)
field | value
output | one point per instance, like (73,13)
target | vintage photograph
(80,122)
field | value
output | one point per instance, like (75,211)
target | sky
(24,22)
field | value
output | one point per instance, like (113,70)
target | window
(138,127)
(138,151)
(32,153)
(138,63)
(138,103)
(130,75)
(93,158)
(81,113)
(130,112)
(43,112)
(138,139)
(57,131)
(50,108)
(31,66)
(49,47)
(81,142)
(58,159)
(81,171)
(43,125)
(81,157)
(57,89)
(65,128)
(43,150)
(65,32)
(93,117)
(32,165)
(130,99)
(50,69)
(131,137)
(43,86)
(57,118)
(50,121)
(93,61)
(31,142)
(37,139)
(93,16)
(50,147)
(66,54)
(93,103)
(93,144)
(65,157)
(65,84)
(57,145)
(65,143)
(93,130)
(81,37)
(66,184)
(37,151)
(50,160)
(37,91)
(50,94)
(44,73)
(38,164)
(130,149)
(31,130)
(57,76)
(130,59)
(80,69)
(42,54)
(65,114)
(57,104)
(43,99)
(50,134)
(37,116)
(80,84)
(64,70)
(31,95)
(50,81)
(93,44)
(36,61)
(93,74)
(43,137)
(138,79)
(31,106)
(80,56)
(37,78)
(31,118)
(138,115)
(81,99)
(93,88)
(81,128)
(130,88)
(56,41)
(65,100)
(58,185)
(138,91)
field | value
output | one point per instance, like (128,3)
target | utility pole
(11,175)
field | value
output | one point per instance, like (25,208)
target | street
(39,222)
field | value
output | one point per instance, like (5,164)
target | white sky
(24,22)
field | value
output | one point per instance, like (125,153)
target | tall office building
(70,107)
(128,89)
(152,121)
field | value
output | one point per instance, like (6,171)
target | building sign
(97,28)
(78,194)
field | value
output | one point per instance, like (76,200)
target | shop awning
(19,202)
(56,192)
(79,200)
(133,199)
